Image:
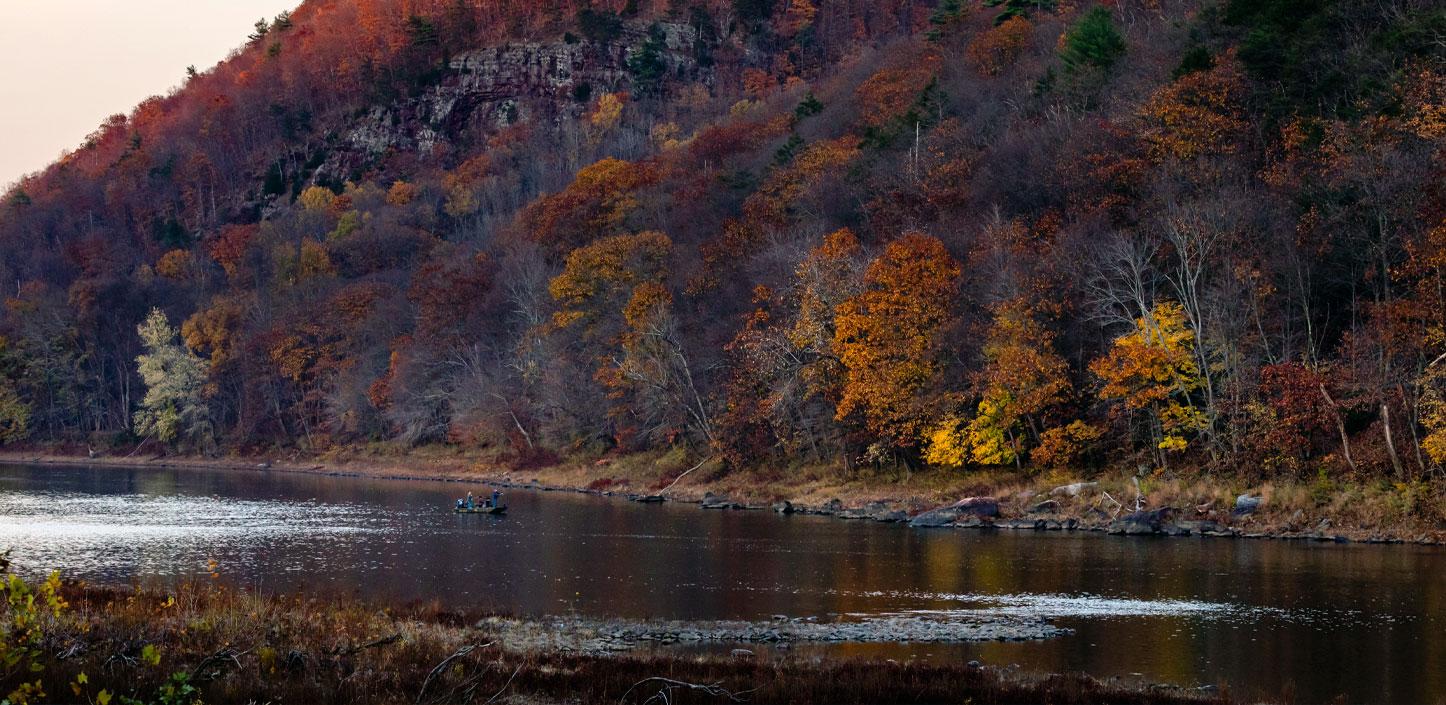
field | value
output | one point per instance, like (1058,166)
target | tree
(596,204)
(647,64)
(999,47)
(1201,114)
(1153,368)
(174,408)
(1093,42)
(888,338)
(785,374)
(14,412)
(1022,378)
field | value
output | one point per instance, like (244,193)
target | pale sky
(66,65)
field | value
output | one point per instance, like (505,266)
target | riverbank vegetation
(1193,244)
(200,641)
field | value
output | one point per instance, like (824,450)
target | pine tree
(1093,42)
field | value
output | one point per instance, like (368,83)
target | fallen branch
(436,671)
(685,474)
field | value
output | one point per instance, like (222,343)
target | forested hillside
(1032,233)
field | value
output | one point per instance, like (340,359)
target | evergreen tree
(1093,43)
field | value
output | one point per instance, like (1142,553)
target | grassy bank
(1352,509)
(203,642)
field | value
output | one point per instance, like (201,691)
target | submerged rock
(714,501)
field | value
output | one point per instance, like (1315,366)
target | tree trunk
(1390,444)
(1340,426)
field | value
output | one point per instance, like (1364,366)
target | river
(1260,617)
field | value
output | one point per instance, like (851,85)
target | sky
(66,65)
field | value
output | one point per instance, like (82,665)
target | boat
(496,511)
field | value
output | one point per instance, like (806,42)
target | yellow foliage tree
(598,278)
(1153,368)
(316,198)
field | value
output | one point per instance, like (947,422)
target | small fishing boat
(497,511)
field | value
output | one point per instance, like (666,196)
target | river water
(1267,618)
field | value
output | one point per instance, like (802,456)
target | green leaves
(1093,42)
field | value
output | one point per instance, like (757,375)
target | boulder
(1073,490)
(1247,504)
(784,507)
(1149,521)
(978,506)
(935,518)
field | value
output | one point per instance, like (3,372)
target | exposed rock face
(491,88)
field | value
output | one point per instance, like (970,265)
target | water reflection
(1366,621)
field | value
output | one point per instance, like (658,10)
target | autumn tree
(174,408)
(1201,114)
(888,339)
(596,204)
(785,373)
(1153,369)
(1022,379)
(999,47)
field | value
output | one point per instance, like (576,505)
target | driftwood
(219,660)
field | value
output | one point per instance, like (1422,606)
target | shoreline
(1059,510)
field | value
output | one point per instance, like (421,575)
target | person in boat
(471,503)
(461,503)
(496,497)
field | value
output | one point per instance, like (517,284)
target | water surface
(1263,617)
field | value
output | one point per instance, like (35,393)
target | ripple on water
(94,532)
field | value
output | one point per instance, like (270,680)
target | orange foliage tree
(887,338)
(596,204)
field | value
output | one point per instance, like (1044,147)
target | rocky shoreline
(983,513)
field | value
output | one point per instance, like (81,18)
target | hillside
(1156,234)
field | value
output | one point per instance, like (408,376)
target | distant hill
(1019,233)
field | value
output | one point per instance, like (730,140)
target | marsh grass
(236,646)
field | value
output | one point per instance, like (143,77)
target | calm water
(1264,617)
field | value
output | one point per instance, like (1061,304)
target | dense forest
(1020,233)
